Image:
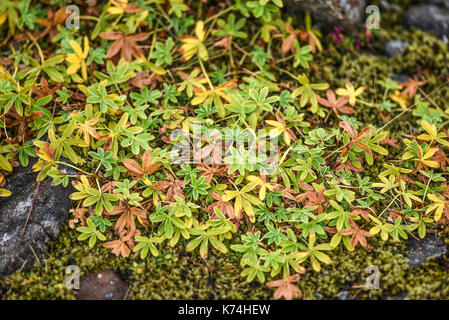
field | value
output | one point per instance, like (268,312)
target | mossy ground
(178,275)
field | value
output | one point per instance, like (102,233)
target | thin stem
(205,73)
(33,39)
(411,107)
(72,166)
(89,18)
(219,14)
(366,103)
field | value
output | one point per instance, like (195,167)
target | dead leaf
(125,44)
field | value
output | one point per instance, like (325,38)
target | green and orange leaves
(439,206)
(243,200)
(279,127)
(315,254)
(432,134)
(215,96)
(350,92)
(423,158)
(192,82)
(86,124)
(363,141)
(307,92)
(92,196)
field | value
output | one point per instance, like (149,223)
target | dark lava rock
(395,48)
(389,6)
(51,208)
(419,251)
(401,296)
(332,12)
(102,285)
(429,18)
(401,78)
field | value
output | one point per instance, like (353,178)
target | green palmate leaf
(90,232)
(145,245)
(303,55)
(307,92)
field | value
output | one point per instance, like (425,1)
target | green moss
(173,275)
(177,275)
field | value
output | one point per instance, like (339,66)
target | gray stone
(332,12)
(444,3)
(50,209)
(389,6)
(429,18)
(319,295)
(400,78)
(395,48)
(418,252)
(343,295)
(401,296)
(102,285)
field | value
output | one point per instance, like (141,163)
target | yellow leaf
(434,198)
(229,195)
(86,48)
(3,17)
(199,30)
(73,69)
(249,210)
(400,99)
(119,6)
(4,74)
(5,193)
(430,128)
(274,123)
(76,47)
(238,206)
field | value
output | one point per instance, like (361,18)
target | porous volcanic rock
(332,12)
(429,17)
(102,285)
(50,209)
